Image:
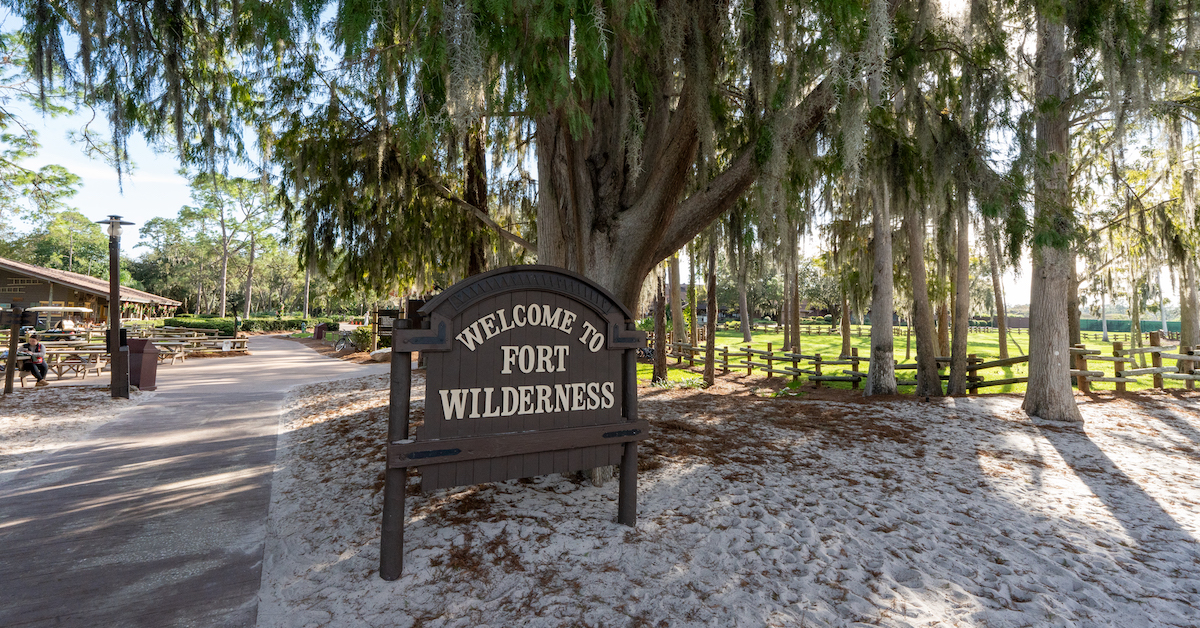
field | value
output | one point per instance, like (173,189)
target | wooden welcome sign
(530,370)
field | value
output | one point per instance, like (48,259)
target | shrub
(362,338)
(224,326)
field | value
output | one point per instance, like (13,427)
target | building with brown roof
(25,285)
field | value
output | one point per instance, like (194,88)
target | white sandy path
(36,421)
(959,513)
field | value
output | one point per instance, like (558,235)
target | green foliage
(362,338)
(266,324)
(224,326)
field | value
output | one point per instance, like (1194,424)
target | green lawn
(984,344)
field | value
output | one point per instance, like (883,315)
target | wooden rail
(820,370)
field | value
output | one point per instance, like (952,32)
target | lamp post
(119,362)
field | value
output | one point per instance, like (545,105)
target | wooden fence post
(972,373)
(795,369)
(817,369)
(1081,361)
(749,358)
(724,359)
(1191,384)
(854,366)
(1118,365)
(770,368)
(1156,358)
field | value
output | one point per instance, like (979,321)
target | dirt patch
(325,348)
(219,354)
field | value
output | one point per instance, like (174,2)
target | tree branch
(441,190)
(698,210)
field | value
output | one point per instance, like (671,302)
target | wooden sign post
(530,370)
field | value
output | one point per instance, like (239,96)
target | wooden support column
(627,488)
(770,364)
(817,369)
(395,481)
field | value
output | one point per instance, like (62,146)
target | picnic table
(77,360)
(171,349)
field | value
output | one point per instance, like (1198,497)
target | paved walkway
(159,517)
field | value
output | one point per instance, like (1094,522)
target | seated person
(36,363)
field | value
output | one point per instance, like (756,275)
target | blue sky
(155,188)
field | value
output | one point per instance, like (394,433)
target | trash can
(319,331)
(143,364)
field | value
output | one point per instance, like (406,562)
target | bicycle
(346,339)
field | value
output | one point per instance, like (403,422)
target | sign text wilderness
(492,401)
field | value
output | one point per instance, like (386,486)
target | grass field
(984,344)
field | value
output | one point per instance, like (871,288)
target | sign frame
(584,443)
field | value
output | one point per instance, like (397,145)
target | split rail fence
(822,369)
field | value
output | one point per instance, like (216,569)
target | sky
(155,188)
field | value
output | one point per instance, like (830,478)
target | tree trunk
(199,288)
(962,301)
(476,194)
(307,281)
(677,331)
(997,288)
(1103,314)
(881,378)
(744,302)
(795,304)
(929,383)
(660,333)
(250,275)
(1189,318)
(908,325)
(611,222)
(785,318)
(1073,301)
(943,328)
(694,332)
(224,277)
(1189,296)
(1162,303)
(845,324)
(1135,317)
(710,325)
(1049,394)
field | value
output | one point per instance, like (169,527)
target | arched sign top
(465,293)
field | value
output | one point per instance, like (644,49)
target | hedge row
(225,325)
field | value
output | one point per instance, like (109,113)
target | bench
(171,351)
(222,344)
(20,375)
